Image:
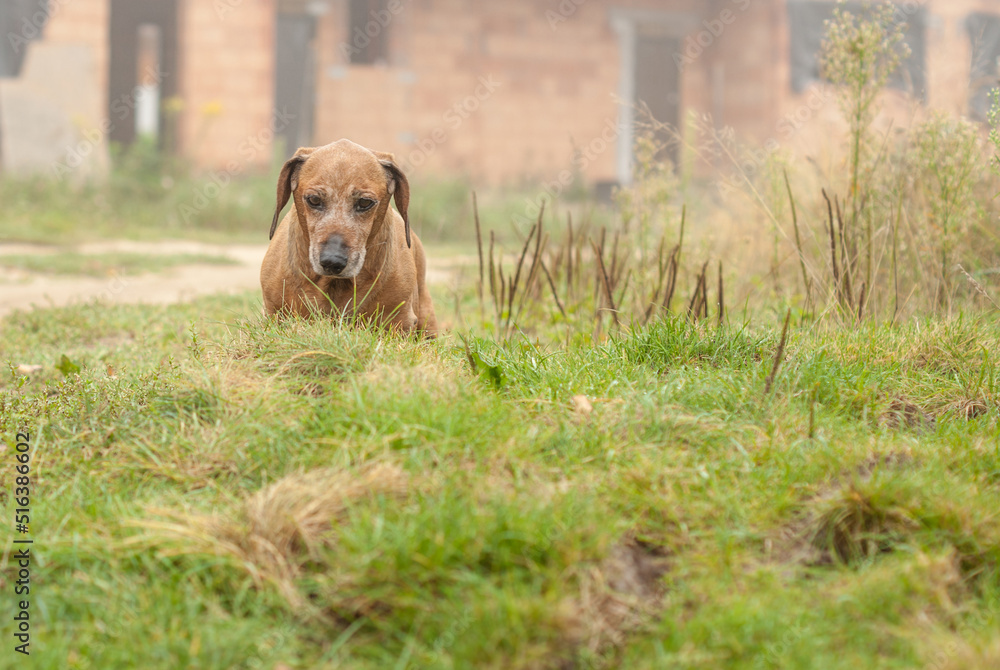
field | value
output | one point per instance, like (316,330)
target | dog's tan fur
(390,284)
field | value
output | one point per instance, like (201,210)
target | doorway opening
(649,79)
(295,77)
(142,69)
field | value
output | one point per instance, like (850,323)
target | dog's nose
(333,257)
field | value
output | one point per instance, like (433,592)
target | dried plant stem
(605,280)
(668,296)
(779,355)
(479,247)
(722,296)
(529,284)
(979,287)
(614,258)
(699,301)
(503,295)
(569,255)
(515,284)
(846,260)
(798,242)
(627,287)
(833,245)
(895,266)
(680,237)
(520,261)
(661,276)
(493,281)
(694,304)
(861,302)
(555,293)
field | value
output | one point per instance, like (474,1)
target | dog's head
(341,195)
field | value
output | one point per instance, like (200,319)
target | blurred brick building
(496,91)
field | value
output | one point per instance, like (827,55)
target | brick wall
(367,104)
(226,75)
(83,22)
(227,83)
(496,91)
(557,70)
(811,124)
(53,117)
(493,91)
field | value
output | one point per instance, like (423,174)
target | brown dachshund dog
(341,247)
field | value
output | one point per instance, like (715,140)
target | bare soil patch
(20,290)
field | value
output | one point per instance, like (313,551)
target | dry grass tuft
(904,414)
(277,530)
(294,513)
(618,596)
(891,460)
(851,525)
(842,523)
(951,652)
(312,390)
(971,408)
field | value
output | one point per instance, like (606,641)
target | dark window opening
(142,70)
(369,36)
(657,86)
(295,85)
(984,33)
(807,26)
(21,21)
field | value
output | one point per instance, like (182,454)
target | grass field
(150,207)
(620,455)
(216,491)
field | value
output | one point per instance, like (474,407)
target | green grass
(136,206)
(146,203)
(216,491)
(66,262)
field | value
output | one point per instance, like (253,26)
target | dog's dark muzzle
(334,256)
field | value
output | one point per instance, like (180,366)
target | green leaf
(492,373)
(483,366)
(67,367)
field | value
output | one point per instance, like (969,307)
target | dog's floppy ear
(288,181)
(399,188)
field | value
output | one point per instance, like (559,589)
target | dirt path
(23,291)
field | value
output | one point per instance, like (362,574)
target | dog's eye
(314,201)
(364,204)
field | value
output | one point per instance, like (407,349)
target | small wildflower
(212,109)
